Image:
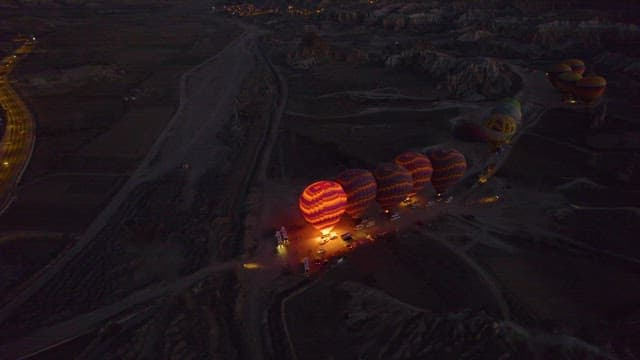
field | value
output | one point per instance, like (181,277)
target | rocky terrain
(412,333)
(79,3)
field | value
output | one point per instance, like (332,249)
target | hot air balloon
(500,128)
(322,204)
(554,71)
(507,108)
(419,167)
(590,88)
(394,184)
(449,166)
(515,102)
(360,187)
(577,65)
(566,84)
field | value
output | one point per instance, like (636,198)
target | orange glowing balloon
(590,88)
(360,187)
(322,204)
(394,184)
(419,166)
(449,166)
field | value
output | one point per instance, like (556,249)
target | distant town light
(489,199)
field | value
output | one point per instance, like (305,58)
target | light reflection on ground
(306,241)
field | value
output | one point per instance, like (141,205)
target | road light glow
(489,199)
(16,147)
(251,266)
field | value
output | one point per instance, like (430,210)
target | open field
(80,84)
(78,90)
(18,264)
(361,140)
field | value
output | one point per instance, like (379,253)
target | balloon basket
(568,98)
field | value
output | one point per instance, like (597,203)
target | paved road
(254,303)
(19,137)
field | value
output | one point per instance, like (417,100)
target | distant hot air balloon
(554,71)
(567,82)
(500,129)
(449,166)
(508,108)
(515,102)
(577,65)
(419,166)
(360,187)
(590,88)
(322,204)
(394,184)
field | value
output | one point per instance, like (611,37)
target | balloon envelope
(509,109)
(590,88)
(449,166)
(394,184)
(419,166)
(322,204)
(360,187)
(566,81)
(500,128)
(513,101)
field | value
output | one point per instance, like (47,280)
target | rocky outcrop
(618,63)
(312,50)
(411,333)
(381,327)
(347,16)
(80,3)
(461,77)
(473,36)
(415,21)
(592,34)
(475,16)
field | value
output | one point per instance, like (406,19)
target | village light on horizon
(489,199)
